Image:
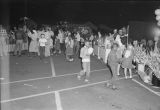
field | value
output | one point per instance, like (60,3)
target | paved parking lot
(52,85)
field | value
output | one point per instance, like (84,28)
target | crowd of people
(45,42)
(120,52)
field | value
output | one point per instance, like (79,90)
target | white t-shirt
(60,36)
(42,42)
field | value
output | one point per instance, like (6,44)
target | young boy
(113,62)
(42,44)
(85,55)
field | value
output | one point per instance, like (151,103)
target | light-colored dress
(127,60)
(33,47)
(69,47)
(107,49)
(49,43)
(3,44)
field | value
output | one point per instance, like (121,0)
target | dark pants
(113,68)
(42,51)
(62,47)
(76,48)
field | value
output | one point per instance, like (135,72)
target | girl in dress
(69,48)
(107,47)
(127,61)
(100,42)
(42,44)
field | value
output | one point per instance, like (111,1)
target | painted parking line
(90,84)
(26,97)
(58,101)
(156,93)
(27,80)
(34,79)
(61,90)
(52,67)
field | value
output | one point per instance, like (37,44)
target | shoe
(114,88)
(72,59)
(108,84)
(86,80)
(130,77)
(126,77)
(79,77)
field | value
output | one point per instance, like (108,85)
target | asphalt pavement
(52,84)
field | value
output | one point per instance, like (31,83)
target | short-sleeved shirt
(84,54)
(42,42)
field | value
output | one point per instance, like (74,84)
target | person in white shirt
(85,55)
(42,44)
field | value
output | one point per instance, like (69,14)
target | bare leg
(130,72)
(87,71)
(118,68)
(125,72)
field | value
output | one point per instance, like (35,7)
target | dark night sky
(111,13)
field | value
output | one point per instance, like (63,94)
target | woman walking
(33,47)
(113,62)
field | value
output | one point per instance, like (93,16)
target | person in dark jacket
(19,37)
(113,61)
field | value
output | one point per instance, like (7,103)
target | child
(42,44)
(57,46)
(69,48)
(85,55)
(113,62)
(51,45)
(127,61)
